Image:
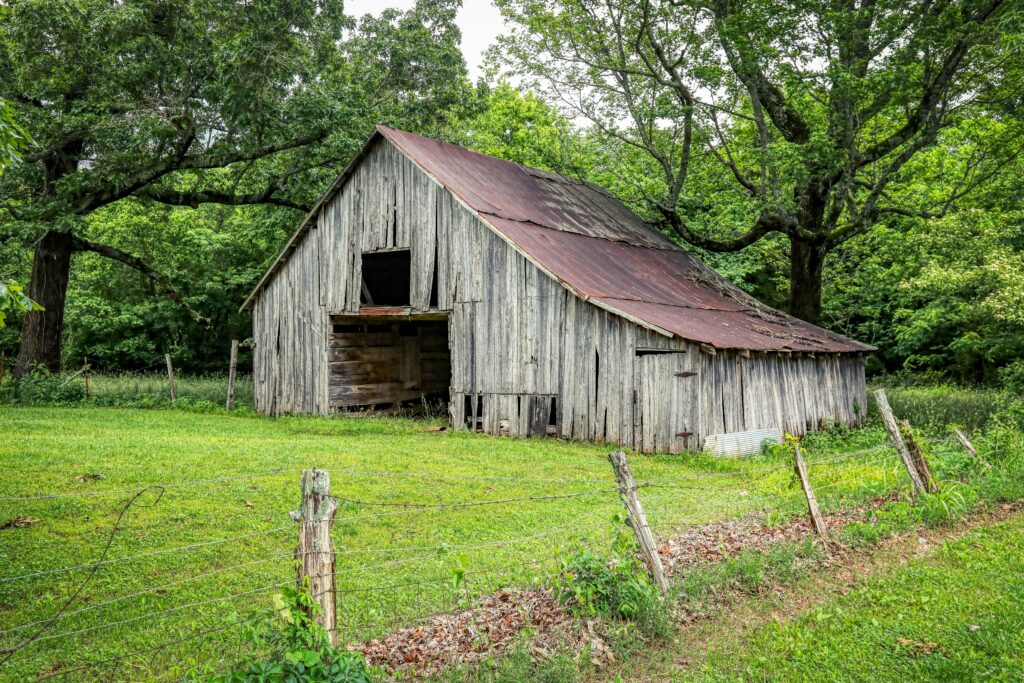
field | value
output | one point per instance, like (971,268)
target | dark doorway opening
(387,278)
(384,363)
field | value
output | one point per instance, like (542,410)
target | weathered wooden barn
(534,304)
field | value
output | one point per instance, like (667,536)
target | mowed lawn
(189,556)
(957,615)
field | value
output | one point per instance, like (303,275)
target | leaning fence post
(812,501)
(315,552)
(917,455)
(232,369)
(969,447)
(897,441)
(170,377)
(637,520)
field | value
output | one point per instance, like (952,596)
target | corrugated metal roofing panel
(593,244)
(507,190)
(740,444)
(582,236)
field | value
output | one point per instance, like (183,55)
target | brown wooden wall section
(383,362)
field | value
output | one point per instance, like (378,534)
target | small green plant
(616,586)
(516,666)
(887,520)
(949,505)
(300,651)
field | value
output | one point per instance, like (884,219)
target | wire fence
(154,581)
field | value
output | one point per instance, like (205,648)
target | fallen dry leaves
(19,522)
(490,628)
(918,648)
(717,541)
(496,624)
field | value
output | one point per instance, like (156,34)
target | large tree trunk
(41,334)
(806,265)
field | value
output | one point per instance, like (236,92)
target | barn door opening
(383,363)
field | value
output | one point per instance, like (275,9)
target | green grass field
(953,616)
(187,581)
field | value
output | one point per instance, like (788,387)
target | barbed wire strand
(574,523)
(151,553)
(38,635)
(180,484)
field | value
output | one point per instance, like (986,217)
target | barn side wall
(528,356)
(290,338)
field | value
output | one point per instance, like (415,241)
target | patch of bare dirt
(490,628)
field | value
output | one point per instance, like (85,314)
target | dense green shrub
(1012,377)
(41,387)
(616,586)
(299,651)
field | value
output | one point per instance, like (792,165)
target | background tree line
(855,162)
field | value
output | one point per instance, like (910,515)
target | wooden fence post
(3,363)
(812,502)
(315,552)
(232,369)
(969,447)
(170,377)
(917,455)
(85,373)
(897,441)
(637,520)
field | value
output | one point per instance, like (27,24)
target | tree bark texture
(48,287)
(806,268)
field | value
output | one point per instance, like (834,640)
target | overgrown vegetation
(615,586)
(298,650)
(126,390)
(707,586)
(935,406)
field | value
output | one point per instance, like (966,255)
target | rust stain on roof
(607,254)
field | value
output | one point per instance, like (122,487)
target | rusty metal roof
(581,235)
(604,252)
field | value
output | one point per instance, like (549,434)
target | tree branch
(138,264)
(91,200)
(195,198)
(926,114)
(762,91)
(766,223)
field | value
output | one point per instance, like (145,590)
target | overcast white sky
(478,19)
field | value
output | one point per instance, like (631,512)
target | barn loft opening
(387,278)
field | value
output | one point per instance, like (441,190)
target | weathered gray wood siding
(386,204)
(290,338)
(518,338)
